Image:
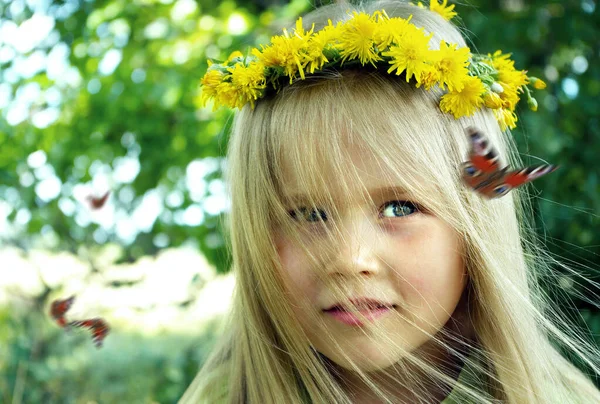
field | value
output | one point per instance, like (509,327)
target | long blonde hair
(264,356)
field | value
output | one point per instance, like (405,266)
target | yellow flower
(299,30)
(411,54)
(514,78)
(506,118)
(447,12)
(324,39)
(492,100)
(442,9)
(284,51)
(210,81)
(510,79)
(429,77)
(452,65)
(501,61)
(212,78)
(248,80)
(509,95)
(227,95)
(328,37)
(389,31)
(506,69)
(466,101)
(356,39)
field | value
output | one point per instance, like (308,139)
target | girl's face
(394,253)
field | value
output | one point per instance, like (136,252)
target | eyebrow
(381,191)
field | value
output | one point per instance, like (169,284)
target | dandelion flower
(411,54)
(356,39)
(447,12)
(284,52)
(509,95)
(248,80)
(466,101)
(389,31)
(492,100)
(300,32)
(429,77)
(323,40)
(210,81)
(227,95)
(501,61)
(506,118)
(452,65)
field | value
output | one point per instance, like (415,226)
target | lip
(352,319)
(363,301)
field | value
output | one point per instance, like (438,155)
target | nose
(356,248)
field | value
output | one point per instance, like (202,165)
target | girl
(367,271)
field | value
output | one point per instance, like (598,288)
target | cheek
(437,281)
(296,274)
(288,258)
(420,284)
(436,269)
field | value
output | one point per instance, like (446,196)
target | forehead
(355,139)
(357,174)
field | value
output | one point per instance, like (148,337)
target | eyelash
(417,209)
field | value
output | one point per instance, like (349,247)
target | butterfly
(59,308)
(97,202)
(97,326)
(483,173)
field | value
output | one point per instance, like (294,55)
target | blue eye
(309,215)
(400,208)
(396,208)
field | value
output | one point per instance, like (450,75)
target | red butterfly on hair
(98,326)
(483,173)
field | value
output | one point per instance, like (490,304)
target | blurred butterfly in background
(59,308)
(98,327)
(97,202)
(483,173)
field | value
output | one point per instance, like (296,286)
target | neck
(395,383)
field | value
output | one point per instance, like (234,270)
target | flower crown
(471,80)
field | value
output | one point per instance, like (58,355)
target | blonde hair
(264,355)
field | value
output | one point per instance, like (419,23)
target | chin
(371,359)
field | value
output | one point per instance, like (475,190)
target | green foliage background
(145,108)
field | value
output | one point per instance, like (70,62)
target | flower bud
(538,84)
(532,103)
(497,88)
